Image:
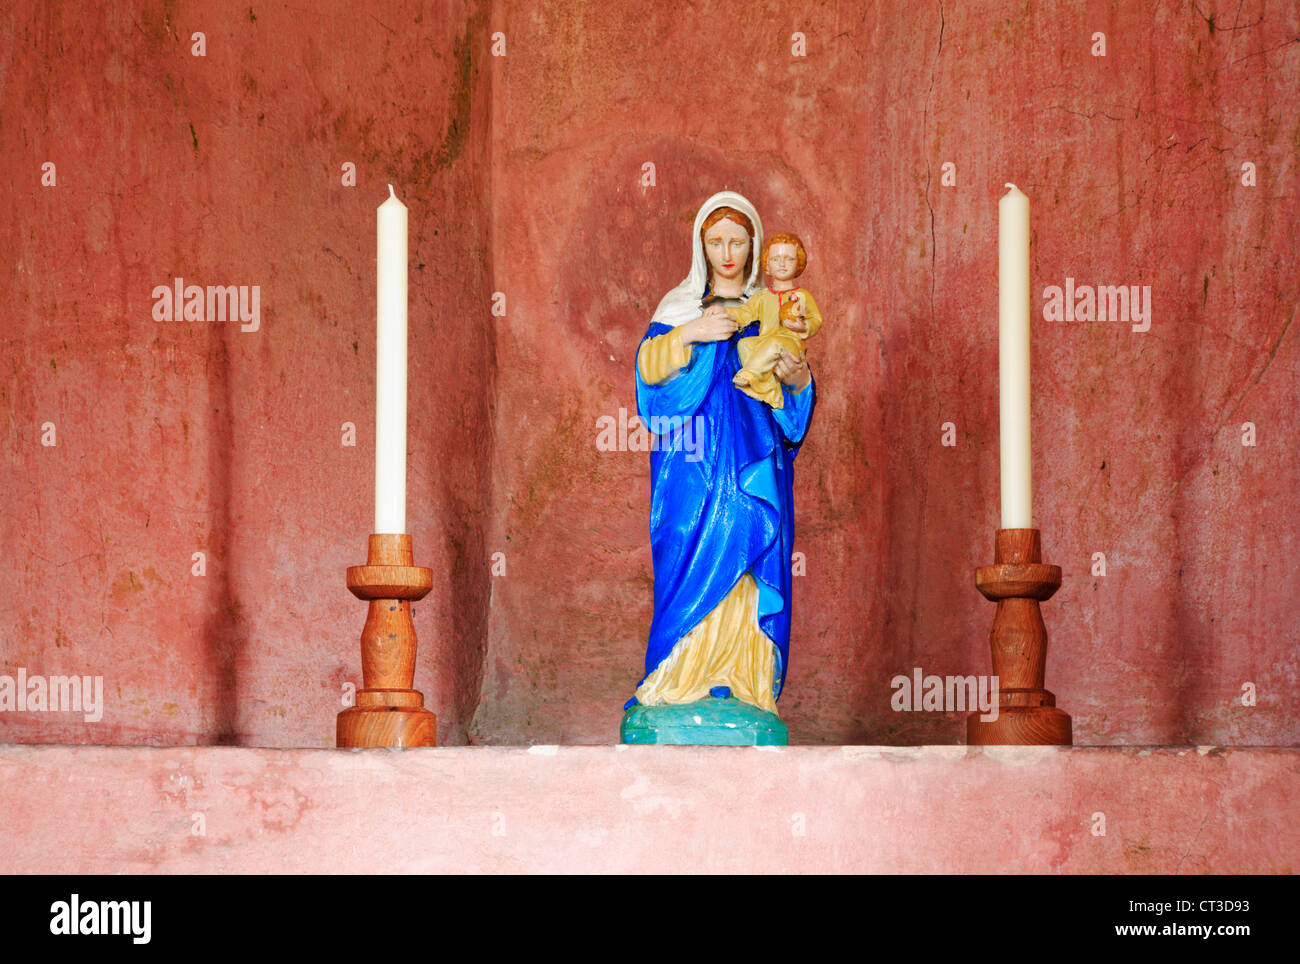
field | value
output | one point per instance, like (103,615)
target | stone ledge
(870,809)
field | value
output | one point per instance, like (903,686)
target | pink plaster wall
(1133,162)
(522,174)
(177,438)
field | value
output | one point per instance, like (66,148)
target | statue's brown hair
(784,237)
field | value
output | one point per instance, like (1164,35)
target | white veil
(683,302)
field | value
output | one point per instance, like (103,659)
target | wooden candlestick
(388,711)
(1018,581)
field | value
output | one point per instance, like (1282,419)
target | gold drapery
(727,648)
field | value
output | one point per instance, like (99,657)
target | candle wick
(1008,184)
(390,191)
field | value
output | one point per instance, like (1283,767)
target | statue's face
(782,261)
(726,245)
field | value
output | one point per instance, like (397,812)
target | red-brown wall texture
(552,157)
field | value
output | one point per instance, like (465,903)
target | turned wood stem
(1019,582)
(388,711)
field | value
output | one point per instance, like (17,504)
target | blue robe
(721,499)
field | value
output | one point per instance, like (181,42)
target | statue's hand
(714,325)
(792,371)
(798,308)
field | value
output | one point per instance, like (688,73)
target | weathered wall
(1133,162)
(176,438)
(523,175)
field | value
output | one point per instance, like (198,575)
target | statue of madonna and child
(723,358)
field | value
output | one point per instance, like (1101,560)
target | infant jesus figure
(786,314)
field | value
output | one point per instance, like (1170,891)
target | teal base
(706,722)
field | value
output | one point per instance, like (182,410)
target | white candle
(1013,358)
(390,369)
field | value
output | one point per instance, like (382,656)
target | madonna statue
(721,507)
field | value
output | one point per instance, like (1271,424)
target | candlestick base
(1018,582)
(388,712)
(388,726)
(1036,725)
